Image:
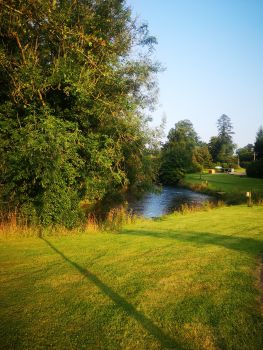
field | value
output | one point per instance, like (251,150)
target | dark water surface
(167,201)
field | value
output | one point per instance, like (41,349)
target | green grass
(180,282)
(231,184)
(240,170)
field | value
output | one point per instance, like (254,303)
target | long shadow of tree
(245,244)
(165,341)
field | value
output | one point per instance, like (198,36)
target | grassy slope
(227,183)
(183,282)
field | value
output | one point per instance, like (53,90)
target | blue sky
(213,54)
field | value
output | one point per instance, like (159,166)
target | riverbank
(181,282)
(231,189)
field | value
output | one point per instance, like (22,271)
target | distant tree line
(184,152)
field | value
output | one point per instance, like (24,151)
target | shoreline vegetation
(225,188)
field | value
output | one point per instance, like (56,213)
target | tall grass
(117,217)
(13,224)
(205,206)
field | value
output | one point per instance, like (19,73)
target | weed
(117,217)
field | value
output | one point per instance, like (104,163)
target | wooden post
(249,198)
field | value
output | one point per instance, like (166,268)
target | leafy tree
(259,144)
(214,146)
(202,157)
(183,132)
(71,104)
(174,162)
(177,153)
(246,154)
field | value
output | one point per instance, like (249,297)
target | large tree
(221,146)
(71,104)
(177,152)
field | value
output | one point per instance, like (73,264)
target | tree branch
(19,45)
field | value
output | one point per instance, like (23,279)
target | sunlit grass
(181,282)
(227,182)
(232,188)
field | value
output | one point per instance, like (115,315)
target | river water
(170,199)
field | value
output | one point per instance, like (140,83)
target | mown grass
(233,186)
(179,282)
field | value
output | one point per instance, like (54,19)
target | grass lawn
(180,282)
(227,183)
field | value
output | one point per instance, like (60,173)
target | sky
(212,51)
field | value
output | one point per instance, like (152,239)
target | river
(167,201)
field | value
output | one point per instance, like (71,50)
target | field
(230,184)
(181,282)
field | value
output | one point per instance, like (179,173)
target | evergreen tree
(225,133)
(221,146)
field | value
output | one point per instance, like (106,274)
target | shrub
(255,169)
(245,165)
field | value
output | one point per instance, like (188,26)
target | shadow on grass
(248,245)
(145,322)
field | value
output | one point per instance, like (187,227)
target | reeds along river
(167,201)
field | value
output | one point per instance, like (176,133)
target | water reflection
(169,200)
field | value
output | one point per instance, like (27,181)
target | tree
(202,158)
(222,147)
(258,148)
(183,132)
(177,153)
(214,147)
(246,154)
(225,127)
(71,104)
(225,133)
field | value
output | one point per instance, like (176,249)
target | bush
(255,169)
(245,165)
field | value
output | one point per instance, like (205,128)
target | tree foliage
(202,158)
(214,146)
(246,154)
(255,169)
(258,148)
(71,104)
(221,146)
(177,152)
